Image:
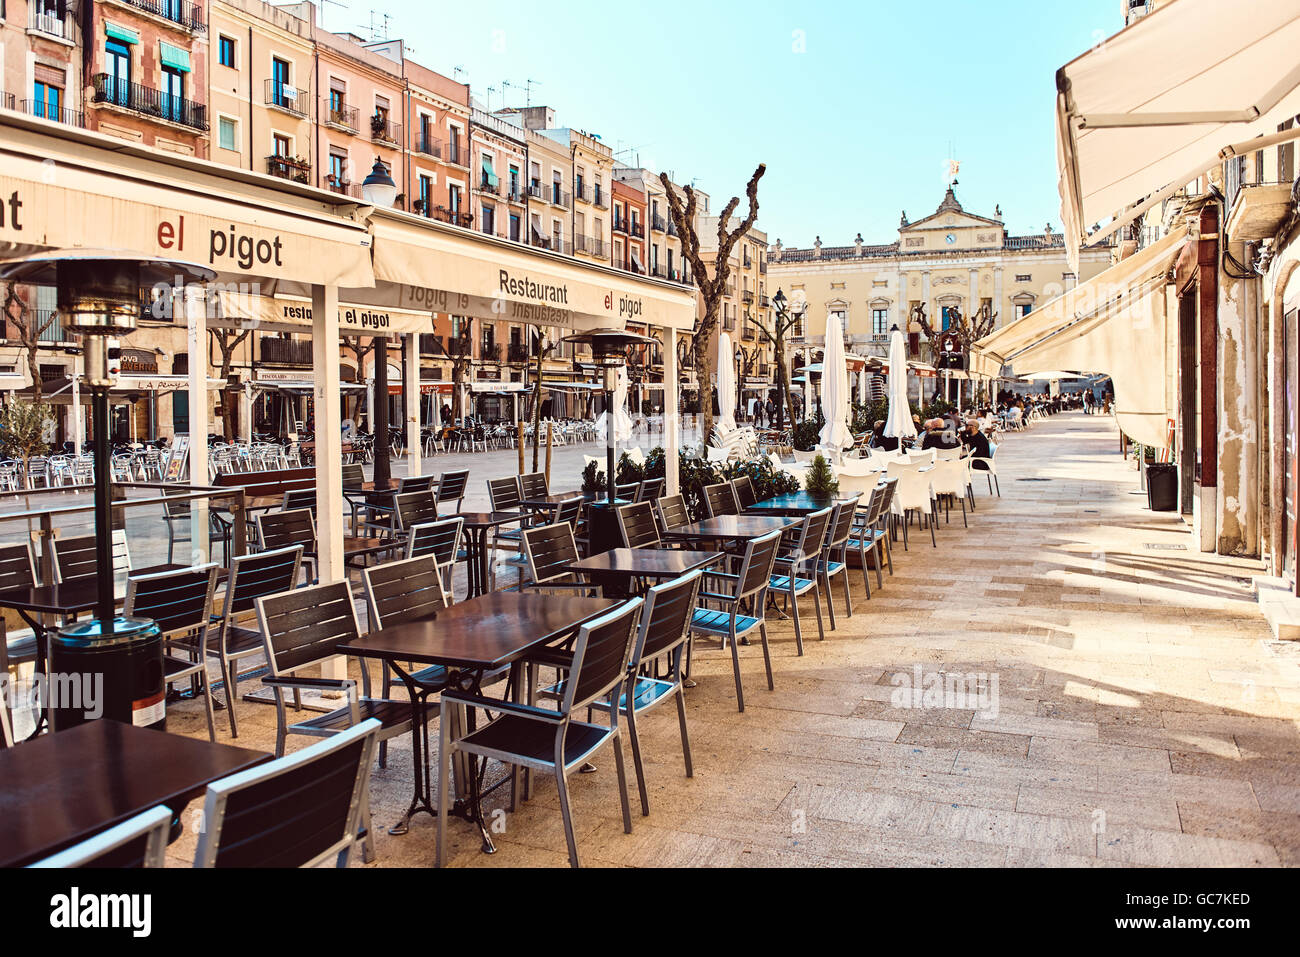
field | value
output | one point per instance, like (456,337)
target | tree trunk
(782,390)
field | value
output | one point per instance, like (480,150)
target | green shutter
(123,34)
(174,57)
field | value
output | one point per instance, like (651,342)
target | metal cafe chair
(650,490)
(743,486)
(285,529)
(180,604)
(800,560)
(76,557)
(18,570)
(637,525)
(538,739)
(745,589)
(719,499)
(663,632)
(297,811)
(549,550)
(442,540)
(251,577)
(177,517)
(833,560)
(867,537)
(533,485)
(672,512)
(451,488)
(139,841)
(413,508)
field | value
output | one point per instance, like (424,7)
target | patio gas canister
(117,675)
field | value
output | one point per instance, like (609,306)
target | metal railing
(620,225)
(428,145)
(6,100)
(384,130)
(598,197)
(285,97)
(286,167)
(489,183)
(430,344)
(490,351)
(520,352)
(343,117)
(535,190)
(559,196)
(598,248)
(581,191)
(637,229)
(457,154)
(43,110)
(657,223)
(51,24)
(149,102)
(188,16)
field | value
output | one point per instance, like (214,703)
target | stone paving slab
(1141,717)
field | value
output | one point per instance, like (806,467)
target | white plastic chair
(913,494)
(948,477)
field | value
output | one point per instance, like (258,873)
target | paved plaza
(1131,707)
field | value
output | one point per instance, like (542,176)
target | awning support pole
(329,445)
(672,484)
(196,324)
(414,452)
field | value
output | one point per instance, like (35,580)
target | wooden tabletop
(549,501)
(795,503)
(646,562)
(732,527)
(67,786)
(482,633)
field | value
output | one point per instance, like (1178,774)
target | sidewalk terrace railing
(343,118)
(287,98)
(187,16)
(43,110)
(286,167)
(149,102)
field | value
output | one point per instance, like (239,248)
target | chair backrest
(636,523)
(281,529)
(178,602)
(74,557)
(260,574)
(840,527)
(303,627)
(440,539)
(451,487)
(415,508)
(407,590)
(672,512)
(417,483)
(664,617)
(533,485)
(174,511)
(600,657)
(296,499)
(650,490)
(811,535)
(17,566)
(354,475)
(945,455)
(913,488)
(743,486)
(503,493)
(756,566)
(569,510)
(550,549)
(887,496)
(948,477)
(295,811)
(140,841)
(720,500)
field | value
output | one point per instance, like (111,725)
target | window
(47,101)
(227,135)
(515,226)
(947,316)
(279,81)
(879,322)
(338,174)
(337,97)
(1023,309)
(489,216)
(426,194)
(280,143)
(453,198)
(226,52)
(118,61)
(173,93)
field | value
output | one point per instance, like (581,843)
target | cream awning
(423,264)
(993,351)
(1117,323)
(64,187)
(283,314)
(1166,98)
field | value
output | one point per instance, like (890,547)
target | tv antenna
(528,90)
(456,71)
(378,26)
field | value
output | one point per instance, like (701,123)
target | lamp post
(378,189)
(98,295)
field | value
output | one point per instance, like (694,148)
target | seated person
(937,436)
(975,441)
(881,441)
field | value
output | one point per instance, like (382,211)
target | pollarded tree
(30,326)
(712,288)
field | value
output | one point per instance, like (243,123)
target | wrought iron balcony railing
(187,16)
(287,167)
(342,117)
(428,145)
(43,110)
(384,130)
(149,102)
(285,97)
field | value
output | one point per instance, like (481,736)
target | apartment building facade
(629,208)
(40,60)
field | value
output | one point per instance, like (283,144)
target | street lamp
(378,188)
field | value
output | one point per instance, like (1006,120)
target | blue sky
(853,129)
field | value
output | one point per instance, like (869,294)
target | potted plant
(593,479)
(820,481)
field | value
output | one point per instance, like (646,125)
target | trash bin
(1162,487)
(117,676)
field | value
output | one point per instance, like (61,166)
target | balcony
(288,352)
(764,302)
(384,130)
(559,196)
(561,246)
(7,100)
(657,223)
(749,335)
(620,226)
(762,267)
(515,192)
(747,296)
(342,118)
(672,228)
(637,229)
(430,344)
(489,183)
(748,262)
(43,110)
(48,22)
(598,248)
(428,145)
(582,192)
(459,348)
(536,190)
(728,324)
(520,352)
(289,167)
(659,271)
(629,265)
(457,154)
(490,352)
(343,187)
(598,198)
(149,102)
(1256,209)
(186,16)
(287,98)
(455,217)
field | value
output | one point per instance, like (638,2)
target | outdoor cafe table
(724,528)
(616,565)
(67,786)
(477,526)
(470,639)
(795,504)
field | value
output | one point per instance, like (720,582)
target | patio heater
(99,297)
(609,351)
